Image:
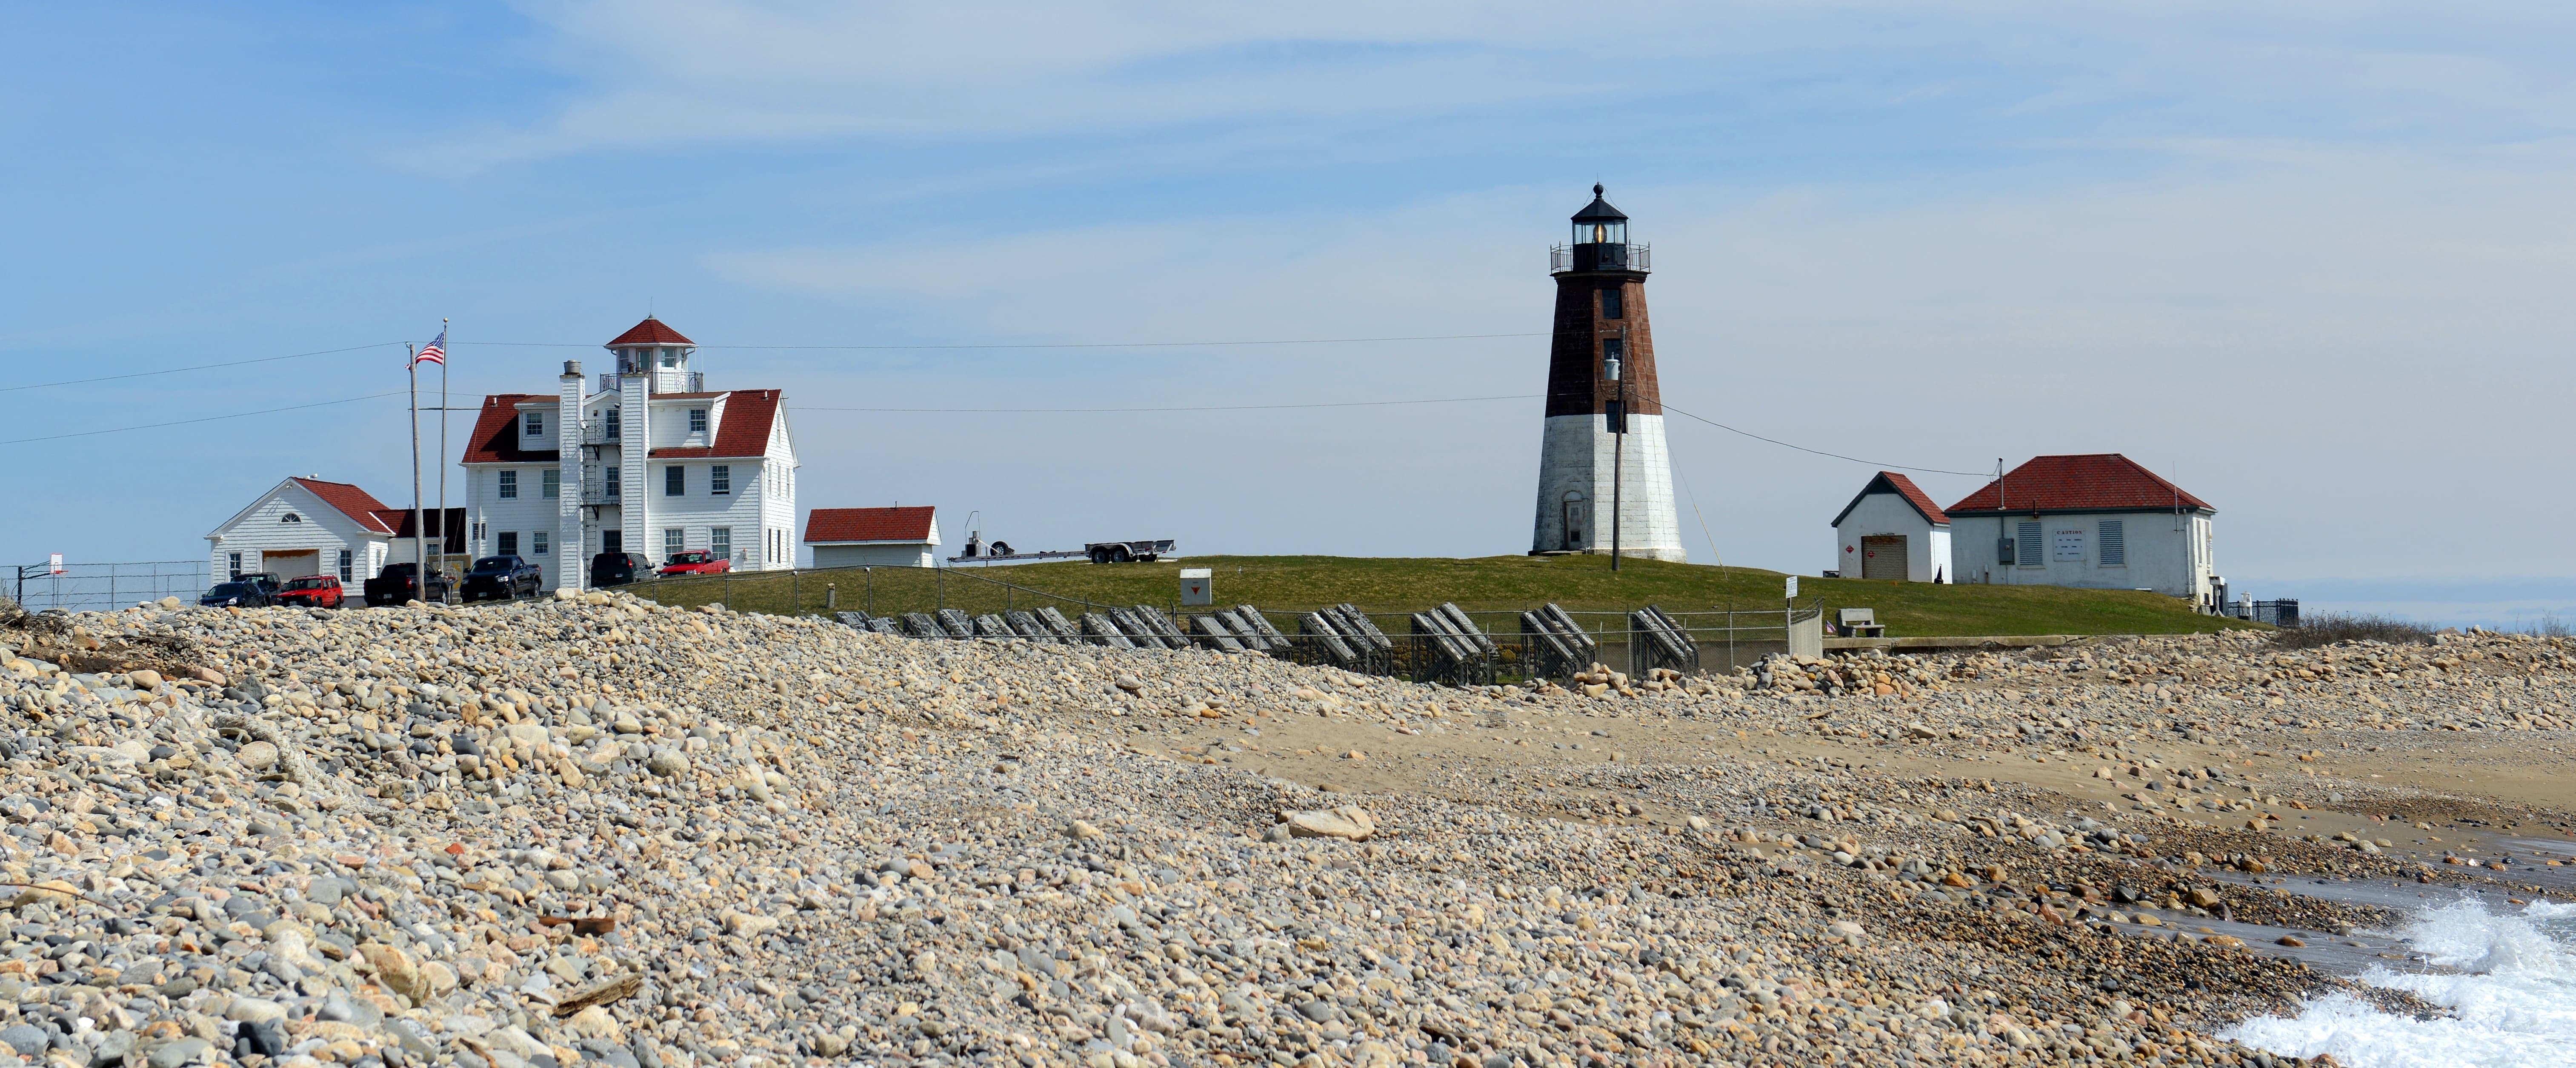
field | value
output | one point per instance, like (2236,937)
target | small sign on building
(1195,586)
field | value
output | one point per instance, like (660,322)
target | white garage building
(1892,530)
(305,526)
(2097,520)
(874,537)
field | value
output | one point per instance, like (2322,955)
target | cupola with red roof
(651,348)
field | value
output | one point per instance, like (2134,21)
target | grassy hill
(1500,584)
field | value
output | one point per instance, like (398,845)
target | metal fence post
(868,576)
(795,593)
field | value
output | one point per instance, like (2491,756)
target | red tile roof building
(874,537)
(313,526)
(2097,520)
(643,459)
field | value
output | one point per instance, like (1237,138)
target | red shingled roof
(353,502)
(649,332)
(1891,482)
(827,525)
(495,439)
(2092,482)
(742,431)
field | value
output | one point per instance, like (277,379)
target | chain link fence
(104,587)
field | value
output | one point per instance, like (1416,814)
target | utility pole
(1618,440)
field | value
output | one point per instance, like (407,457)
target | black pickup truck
(502,578)
(398,583)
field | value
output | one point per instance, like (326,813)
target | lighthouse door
(1574,523)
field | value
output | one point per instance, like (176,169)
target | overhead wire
(196,367)
(1042,344)
(1820,452)
(1177,408)
(203,419)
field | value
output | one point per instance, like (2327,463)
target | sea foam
(2509,980)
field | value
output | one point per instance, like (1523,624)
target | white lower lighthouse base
(1574,489)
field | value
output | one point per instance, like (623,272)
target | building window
(670,357)
(675,481)
(1611,304)
(720,541)
(533,425)
(537,543)
(509,544)
(346,574)
(720,479)
(674,539)
(2033,535)
(612,480)
(290,517)
(612,541)
(2115,543)
(509,485)
(553,483)
(235,572)
(614,421)
(697,420)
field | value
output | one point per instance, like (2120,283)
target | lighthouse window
(1610,302)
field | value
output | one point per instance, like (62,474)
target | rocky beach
(599,829)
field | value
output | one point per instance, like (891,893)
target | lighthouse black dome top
(1599,210)
(1599,223)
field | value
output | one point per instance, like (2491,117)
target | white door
(293,563)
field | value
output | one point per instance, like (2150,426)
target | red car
(695,562)
(311,591)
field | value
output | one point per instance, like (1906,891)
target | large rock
(395,970)
(1348,822)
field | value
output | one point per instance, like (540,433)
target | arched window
(290,517)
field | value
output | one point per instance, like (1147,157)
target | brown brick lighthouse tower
(1605,416)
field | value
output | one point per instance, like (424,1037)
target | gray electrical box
(1196,586)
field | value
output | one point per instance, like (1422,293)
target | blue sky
(2310,261)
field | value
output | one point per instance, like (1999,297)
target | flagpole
(419,543)
(442,439)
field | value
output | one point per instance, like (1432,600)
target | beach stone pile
(595,829)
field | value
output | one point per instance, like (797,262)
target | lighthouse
(1604,474)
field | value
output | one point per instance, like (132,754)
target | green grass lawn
(1285,585)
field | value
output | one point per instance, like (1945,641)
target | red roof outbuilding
(2091,482)
(1891,482)
(651,331)
(833,525)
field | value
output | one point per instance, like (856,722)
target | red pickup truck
(695,562)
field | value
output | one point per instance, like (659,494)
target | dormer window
(533,424)
(697,420)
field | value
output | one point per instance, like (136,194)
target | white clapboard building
(1892,530)
(874,537)
(2096,520)
(643,459)
(307,526)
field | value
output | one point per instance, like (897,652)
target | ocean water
(2510,982)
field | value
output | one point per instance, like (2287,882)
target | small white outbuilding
(874,537)
(1893,531)
(305,526)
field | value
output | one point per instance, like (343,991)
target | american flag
(434,352)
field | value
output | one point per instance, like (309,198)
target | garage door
(289,565)
(1883,557)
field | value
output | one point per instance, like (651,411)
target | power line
(193,367)
(205,419)
(1039,345)
(1193,408)
(1821,452)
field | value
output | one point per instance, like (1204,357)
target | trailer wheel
(1099,555)
(1118,554)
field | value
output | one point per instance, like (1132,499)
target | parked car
(312,591)
(504,578)
(399,582)
(695,562)
(267,581)
(618,569)
(235,595)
